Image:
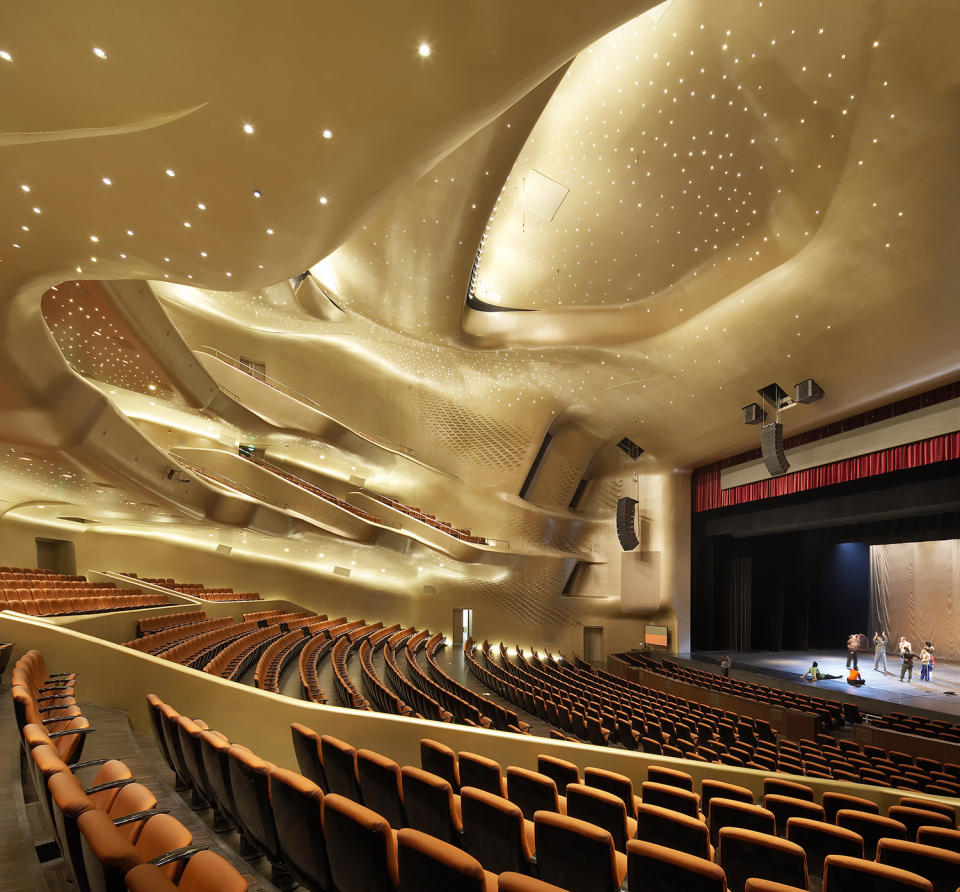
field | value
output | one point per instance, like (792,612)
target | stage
(883,692)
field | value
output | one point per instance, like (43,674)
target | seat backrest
(656,868)
(531,791)
(306,746)
(380,786)
(660,774)
(940,866)
(618,784)
(340,767)
(438,759)
(819,839)
(833,802)
(710,788)
(673,798)
(600,808)
(360,845)
(780,787)
(786,807)
(189,733)
(511,881)
(914,818)
(250,782)
(843,874)
(428,863)
(481,773)
(731,813)
(297,804)
(663,827)
(215,752)
(575,855)
(494,831)
(940,837)
(871,827)
(429,803)
(930,805)
(559,771)
(745,853)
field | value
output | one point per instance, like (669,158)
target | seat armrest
(110,785)
(140,815)
(177,855)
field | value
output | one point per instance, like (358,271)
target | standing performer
(879,651)
(933,662)
(924,665)
(907,657)
(853,642)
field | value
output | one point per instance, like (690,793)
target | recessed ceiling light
(36,210)
(25,228)
(99,53)
(201,205)
(129,232)
(25,187)
(186,223)
(269,232)
(248,128)
(229,274)
(15,245)
(94,238)
(328,134)
(424,50)
(106,181)
(5,56)
(171,173)
(256,193)
(203,253)
(323,199)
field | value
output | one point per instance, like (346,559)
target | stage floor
(941,695)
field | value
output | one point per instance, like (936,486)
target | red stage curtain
(708,495)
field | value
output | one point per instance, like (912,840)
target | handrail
(226,481)
(285,389)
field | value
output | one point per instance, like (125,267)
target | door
(593,644)
(462,625)
(57,555)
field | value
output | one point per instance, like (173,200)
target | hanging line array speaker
(627,523)
(771,446)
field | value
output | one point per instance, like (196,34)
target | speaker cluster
(627,523)
(771,432)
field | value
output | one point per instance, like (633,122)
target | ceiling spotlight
(171,173)
(328,134)
(323,199)
(256,193)
(94,238)
(424,50)
(25,187)
(99,53)
(201,205)
(106,181)
(248,128)
(5,56)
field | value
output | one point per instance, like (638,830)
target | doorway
(593,644)
(462,625)
(57,555)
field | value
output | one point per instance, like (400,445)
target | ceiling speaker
(771,446)
(808,391)
(754,414)
(627,523)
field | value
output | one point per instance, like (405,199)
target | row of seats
(429,519)
(111,833)
(45,593)
(277,656)
(498,716)
(418,700)
(150,624)
(918,724)
(830,712)
(313,490)
(197,589)
(376,690)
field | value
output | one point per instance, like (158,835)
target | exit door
(462,625)
(593,644)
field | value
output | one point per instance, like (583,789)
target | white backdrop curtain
(915,591)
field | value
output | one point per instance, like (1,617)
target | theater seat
(495,831)
(618,784)
(426,863)
(730,813)
(663,827)
(843,874)
(745,853)
(518,882)
(833,802)
(431,806)
(660,774)
(673,798)
(914,818)
(940,837)
(306,746)
(340,767)
(559,771)
(297,804)
(940,866)
(602,809)
(819,839)
(948,811)
(481,773)
(381,787)
(786,807)
(654,868)
(577,856)
(361,847)
(438,759)
(250,781)
(204,872)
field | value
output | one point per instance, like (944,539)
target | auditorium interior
(407,411)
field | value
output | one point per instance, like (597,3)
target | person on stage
(853,643)
(902,645)
(725,664)
(907,656)
(879,651)
(929,646)
(855,678)
(925,664)
(814,673)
